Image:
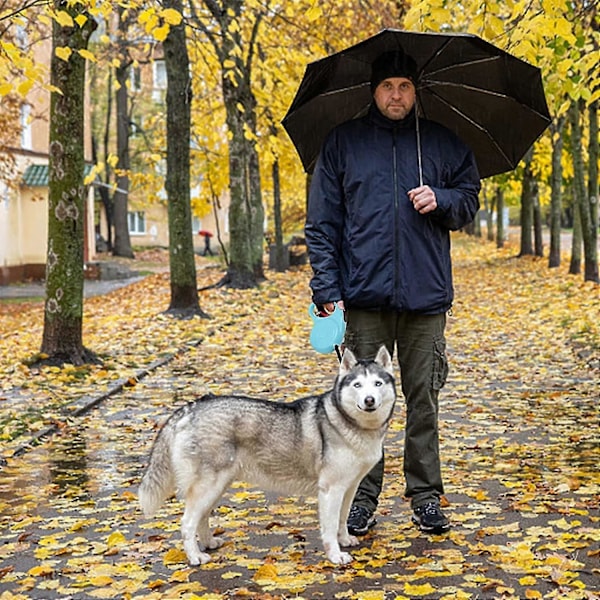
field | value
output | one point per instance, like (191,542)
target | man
(379,245)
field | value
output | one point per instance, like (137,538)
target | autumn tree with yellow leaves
(63,312)
(184,290)
(247,59)
(231,28)
(563,40)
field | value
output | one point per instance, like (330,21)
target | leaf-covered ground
(519,427)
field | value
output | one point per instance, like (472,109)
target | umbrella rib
(430,84)
(344,89)
(469,63)
(475,124)
(441,49)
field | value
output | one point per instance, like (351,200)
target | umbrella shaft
(419,156)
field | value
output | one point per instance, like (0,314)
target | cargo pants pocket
(440,364)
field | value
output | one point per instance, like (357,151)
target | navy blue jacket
(367,244)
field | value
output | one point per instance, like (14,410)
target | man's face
(395,97)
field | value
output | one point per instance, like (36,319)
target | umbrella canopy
(492,100)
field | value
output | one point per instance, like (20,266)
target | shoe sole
(439,529)
(370,525)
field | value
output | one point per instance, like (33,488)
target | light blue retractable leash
(327,333)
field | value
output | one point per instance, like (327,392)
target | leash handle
(327,332)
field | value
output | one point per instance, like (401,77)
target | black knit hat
(392,64)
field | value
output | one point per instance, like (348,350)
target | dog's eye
(357,384)
(378,383)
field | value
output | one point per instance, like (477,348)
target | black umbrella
(492,100)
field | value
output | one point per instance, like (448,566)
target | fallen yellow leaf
(181,576)
(156,584)
(101,581)
(115,539)
(425,589)
(41,571)
(370,595)
(268,571)
(231,575)
(174,556)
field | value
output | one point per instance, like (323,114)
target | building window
(159,81)
(3,193)
(135,78)
(26,141)
(21,37)
(196,224)
(137,222)
(137,127)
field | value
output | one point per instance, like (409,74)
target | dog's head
(366,389)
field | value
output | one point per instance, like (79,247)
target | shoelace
(356,511)
(430,509)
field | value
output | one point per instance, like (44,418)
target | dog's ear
(384,360)
(348,361)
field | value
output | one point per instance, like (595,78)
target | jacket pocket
(440,364)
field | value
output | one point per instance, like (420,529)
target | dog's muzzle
(369,404)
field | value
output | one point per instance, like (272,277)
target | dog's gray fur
(319,445)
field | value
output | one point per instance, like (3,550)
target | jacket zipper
(396,249)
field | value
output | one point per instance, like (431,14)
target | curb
(82,405)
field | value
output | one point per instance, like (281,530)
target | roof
(37,175)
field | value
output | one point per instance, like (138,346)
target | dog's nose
(369,402)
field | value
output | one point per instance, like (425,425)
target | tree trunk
(477,225)
(281,252)
(500,233)
(102,189)
(122,244)
(576,238)
(63,313)
(593,166)
(589,236)
(246,213)
(527,208)
(490,217)
(556,193)
(101,128)
(184,287)
(537,221)
(216,207)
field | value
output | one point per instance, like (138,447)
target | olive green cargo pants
(421,349)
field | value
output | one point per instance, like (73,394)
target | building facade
(24,184)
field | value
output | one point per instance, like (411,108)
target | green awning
(37,175)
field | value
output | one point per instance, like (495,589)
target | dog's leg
(206,539)
(344,537)
(200,499)
(331,498)
(194,513)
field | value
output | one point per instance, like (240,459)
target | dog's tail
(158,481)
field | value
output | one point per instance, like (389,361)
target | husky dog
(319,445)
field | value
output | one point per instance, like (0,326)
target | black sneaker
(360,520)
(430,518)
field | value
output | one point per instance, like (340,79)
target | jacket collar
(377,118)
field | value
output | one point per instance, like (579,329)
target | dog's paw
(214,542)
(348,540)
(199,558)
(340,558)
